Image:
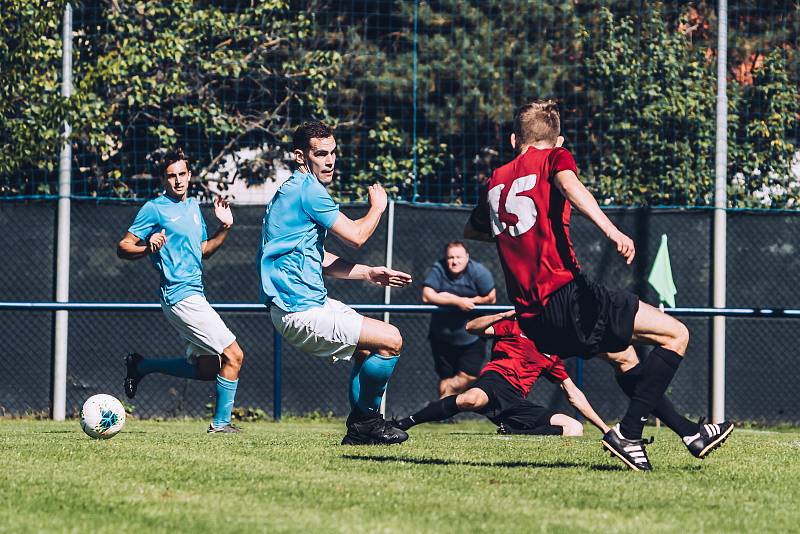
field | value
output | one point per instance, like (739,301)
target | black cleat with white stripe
(630,451)
(709,437)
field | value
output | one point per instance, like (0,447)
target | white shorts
(199,325)
(329,331)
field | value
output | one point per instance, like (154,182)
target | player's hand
(465,304)
(508,314)
(624,245)
(156,241)
(383,276)
(222,211)
(377,197)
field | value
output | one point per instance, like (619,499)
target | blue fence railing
(365,308)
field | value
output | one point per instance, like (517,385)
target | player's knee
(680,338)
(233,356)
(572,428)
(471,400)
(394,342)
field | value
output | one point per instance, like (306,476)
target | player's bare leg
(654,327)
(570,427)
(375,357)
(470,401)
(455,384)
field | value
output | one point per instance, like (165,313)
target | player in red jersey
(526,209)
(505,381)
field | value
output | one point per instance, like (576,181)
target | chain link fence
(761,372)
(422,95)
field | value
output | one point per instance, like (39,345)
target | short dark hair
(455,243)
(172,156)
(537,121)
(303,134)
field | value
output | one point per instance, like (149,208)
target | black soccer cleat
(227,429)
(710,437)
(373,431)
(132,375)
(630,451)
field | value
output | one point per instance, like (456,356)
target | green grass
(294,476)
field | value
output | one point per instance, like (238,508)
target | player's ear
(513,140)
(298,156)
(560,140)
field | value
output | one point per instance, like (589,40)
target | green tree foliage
(654,113)
(206,77)
(636,81)
(32,112)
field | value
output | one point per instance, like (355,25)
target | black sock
(664,410)
(656,374)
(435,411)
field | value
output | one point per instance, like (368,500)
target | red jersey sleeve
(557,372)
(505,328)
(479,218)
(562,160)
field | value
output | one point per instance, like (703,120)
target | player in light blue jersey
(292,260)
(170,230)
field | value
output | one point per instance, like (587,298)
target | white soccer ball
(102,416)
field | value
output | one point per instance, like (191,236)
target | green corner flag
(661,275)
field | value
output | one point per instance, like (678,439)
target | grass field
(294,476)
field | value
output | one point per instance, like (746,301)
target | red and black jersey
(519,361)
(529,218)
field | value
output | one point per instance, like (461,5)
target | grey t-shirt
(474,281)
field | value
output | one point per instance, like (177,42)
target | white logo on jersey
(522,207)
(173,219)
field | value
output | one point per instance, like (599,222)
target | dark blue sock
(368,381)
(226,392)
(173,366)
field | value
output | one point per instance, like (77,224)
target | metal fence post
(61,334)
(720,220)
(387,291)
(277,384)
(414,105)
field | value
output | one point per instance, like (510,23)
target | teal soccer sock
(226,392)
(180,367)
(368,382)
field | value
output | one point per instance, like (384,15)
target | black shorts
(583,319)
(508,406)
(449,360)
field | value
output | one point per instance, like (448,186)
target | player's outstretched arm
(355,233)
(133,248)
(583,201)
(482,326)
(336,267)
(223,213)
(577,399)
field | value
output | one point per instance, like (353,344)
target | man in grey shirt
(461,283)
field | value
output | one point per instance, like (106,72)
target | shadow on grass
(442,461)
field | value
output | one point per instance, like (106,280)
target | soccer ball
(102,416)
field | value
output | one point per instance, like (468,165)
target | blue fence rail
(366,308)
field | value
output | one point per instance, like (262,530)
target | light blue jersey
(292,244)
(180,259)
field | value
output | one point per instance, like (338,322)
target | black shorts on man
(450,359)
(583,319)
(508,406)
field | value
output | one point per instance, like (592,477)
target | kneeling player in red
(500,391)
